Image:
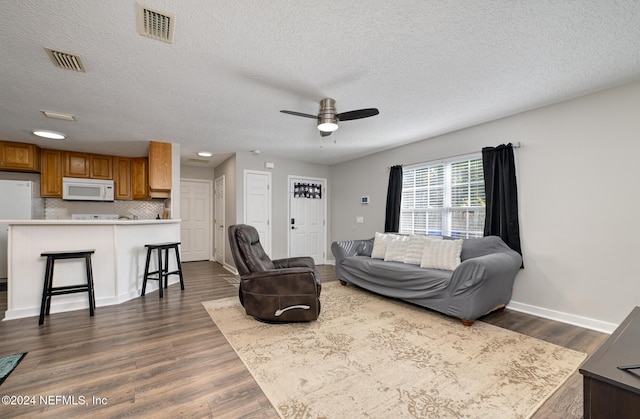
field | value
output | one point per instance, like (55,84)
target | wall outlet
(359,220)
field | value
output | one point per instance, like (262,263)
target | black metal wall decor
(307,190)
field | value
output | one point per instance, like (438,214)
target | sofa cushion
(415,248)
(399,280)
(441,254)
(396,249)
(380,241)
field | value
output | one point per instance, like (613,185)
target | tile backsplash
(58,209)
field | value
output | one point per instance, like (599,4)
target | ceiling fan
(328,118)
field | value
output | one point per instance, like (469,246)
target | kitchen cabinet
(51,173)
(86,165)
(140,178)
(77,164)
(160,163)
(122,178)
(101,167)
(19,157)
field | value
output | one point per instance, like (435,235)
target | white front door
(307,225)
(219,228)
(195,212)
(257,205)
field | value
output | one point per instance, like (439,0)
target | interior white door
(195,212)
(257,205)
(307,234)
(218,223)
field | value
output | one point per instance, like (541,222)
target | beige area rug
(373,357)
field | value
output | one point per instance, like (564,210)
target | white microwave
(74,189)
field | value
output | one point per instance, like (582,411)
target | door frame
(324,210)
(224,221)
(209,182)
(268,249)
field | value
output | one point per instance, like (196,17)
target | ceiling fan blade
(306,115)
(357,114)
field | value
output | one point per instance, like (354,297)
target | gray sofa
(482,283)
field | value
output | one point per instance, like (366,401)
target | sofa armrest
(348,248)
(498,268)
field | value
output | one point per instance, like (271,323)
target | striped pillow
(396,249)
(441,254)
(415,248)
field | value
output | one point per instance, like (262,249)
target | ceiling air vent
(66,60)
(197,161)
(155,24)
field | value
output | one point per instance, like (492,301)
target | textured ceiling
(430,67)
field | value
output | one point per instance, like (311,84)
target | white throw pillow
(441,254)
(415,248)
(396,249)
(380,245)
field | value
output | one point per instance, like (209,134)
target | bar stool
(49,290)
(162,274)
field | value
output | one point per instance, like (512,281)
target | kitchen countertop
(86,222)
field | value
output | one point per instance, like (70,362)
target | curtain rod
(517,144)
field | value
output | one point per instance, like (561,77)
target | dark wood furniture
(610,392)
(162,273)
(48,290)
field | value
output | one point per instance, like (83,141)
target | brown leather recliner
(279,291)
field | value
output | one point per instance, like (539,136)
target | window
(444,198)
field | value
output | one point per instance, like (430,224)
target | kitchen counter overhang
(118,262)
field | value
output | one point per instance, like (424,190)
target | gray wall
(189,172)
(279,194)
(578,195)
(228,169)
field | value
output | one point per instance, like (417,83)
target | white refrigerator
(17,197)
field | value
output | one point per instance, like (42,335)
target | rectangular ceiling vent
(155,24)
(197,161)
(66,60)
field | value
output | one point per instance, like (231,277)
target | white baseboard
(230,268)
(546,313)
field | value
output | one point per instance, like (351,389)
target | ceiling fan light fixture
(328,125)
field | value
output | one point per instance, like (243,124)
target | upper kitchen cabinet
(122,178)
(19,157)
(101,167)
(160,162)
(140,178)
(85,165)
(51,174)
(77,164)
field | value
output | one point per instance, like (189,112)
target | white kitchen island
(118,262)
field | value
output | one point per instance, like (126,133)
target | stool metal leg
(179,267)
(50,287)
(165,270)
(45,289)
(90,291)
(160,273)
(146,272)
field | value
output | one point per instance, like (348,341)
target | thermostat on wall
(364,200)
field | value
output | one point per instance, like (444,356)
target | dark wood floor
(166,358)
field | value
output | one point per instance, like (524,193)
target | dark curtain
(501,193)
(394,196)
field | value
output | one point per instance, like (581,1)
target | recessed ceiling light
(205,154)
(49,134)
